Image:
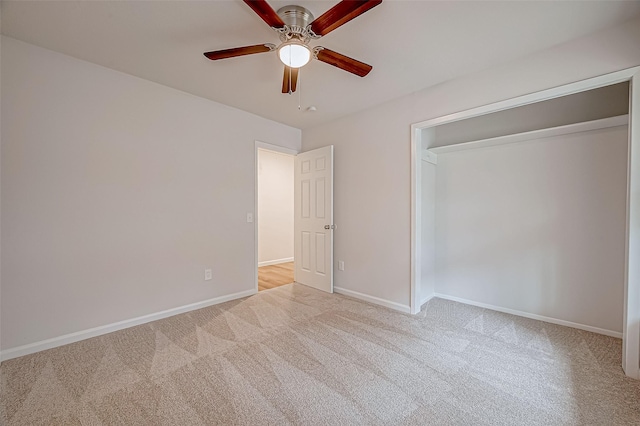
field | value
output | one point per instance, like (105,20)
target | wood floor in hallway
(273,276)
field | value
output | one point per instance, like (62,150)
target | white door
(313,220)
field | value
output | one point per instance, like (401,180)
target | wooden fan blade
(343,62)
(293,73)
(266,12)
(340,14)
(239,51)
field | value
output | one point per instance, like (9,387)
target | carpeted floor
(294,355)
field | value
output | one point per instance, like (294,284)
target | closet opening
(529,206)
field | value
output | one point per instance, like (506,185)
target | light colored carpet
(294,355)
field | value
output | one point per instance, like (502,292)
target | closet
(524,210)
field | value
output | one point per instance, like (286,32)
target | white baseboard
(532,316)
(425,300)
(275,262)
(375,300)
(109,328)
(633,374)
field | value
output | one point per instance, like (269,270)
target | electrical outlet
(341,265)
(249,217)
(207,274)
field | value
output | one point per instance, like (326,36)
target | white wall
(0,178)
(372,152)
(537,227)
(117,193)
(275,207)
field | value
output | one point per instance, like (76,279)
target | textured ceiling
(411,45)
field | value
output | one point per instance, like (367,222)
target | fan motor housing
(295,16)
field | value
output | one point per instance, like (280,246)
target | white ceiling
(411,45)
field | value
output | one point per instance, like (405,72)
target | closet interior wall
(536,223)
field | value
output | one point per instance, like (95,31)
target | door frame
(268,147)
(631,321)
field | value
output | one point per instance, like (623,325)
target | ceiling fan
(296,28)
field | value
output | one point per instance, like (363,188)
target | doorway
(293,214)
(274,217)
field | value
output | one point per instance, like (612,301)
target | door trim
(269,147)
(631,322)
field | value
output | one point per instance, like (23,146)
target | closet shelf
(586,126)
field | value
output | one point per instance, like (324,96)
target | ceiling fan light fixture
(294,53)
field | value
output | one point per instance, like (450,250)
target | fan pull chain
(299,88)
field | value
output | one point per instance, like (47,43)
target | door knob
(329,227)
